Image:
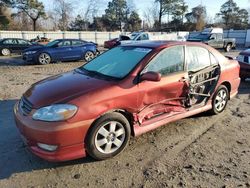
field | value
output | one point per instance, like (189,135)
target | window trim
(173,73)
(209,52)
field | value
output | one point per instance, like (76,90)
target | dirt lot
(201,151)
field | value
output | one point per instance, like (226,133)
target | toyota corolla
(128,90)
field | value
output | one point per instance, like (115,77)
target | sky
(213,6)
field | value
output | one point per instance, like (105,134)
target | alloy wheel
(110,137)
(5,52)
(89,56)
(44,59)
(221,100)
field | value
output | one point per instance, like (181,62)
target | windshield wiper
(96,73)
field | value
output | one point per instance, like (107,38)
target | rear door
(168,95)
(77,49)
(204,71)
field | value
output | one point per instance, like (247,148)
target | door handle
(183,79)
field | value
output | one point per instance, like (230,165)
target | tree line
(163,15)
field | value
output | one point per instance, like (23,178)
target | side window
(197,58)
(64,43)
(219,36)
(76,42)
(22,42)
(144,37)
(10,41)
(168,61)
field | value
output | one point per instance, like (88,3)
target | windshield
(117,62)
(52,43)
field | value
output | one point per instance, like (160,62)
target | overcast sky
(213,6)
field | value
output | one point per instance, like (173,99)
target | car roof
(13,38)
(66,39)
(159,44)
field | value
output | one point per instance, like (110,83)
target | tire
(88,56)
(228,47)
(5,52)
(44,59)
(220,100)
(108,136)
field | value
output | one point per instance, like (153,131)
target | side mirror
(151,76)
(56,45)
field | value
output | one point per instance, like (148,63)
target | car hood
(63,88)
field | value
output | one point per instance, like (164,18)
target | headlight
(57,112)
(30,52)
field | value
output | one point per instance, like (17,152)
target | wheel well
(129,117)
(126,114)
(228,85)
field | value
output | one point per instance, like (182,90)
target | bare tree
(63,10)
(150,16)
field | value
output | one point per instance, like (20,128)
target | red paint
(111,43)
(95,97)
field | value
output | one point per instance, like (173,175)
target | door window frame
(173,73)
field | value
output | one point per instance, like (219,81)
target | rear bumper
(68,137)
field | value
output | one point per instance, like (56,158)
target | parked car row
(57,50)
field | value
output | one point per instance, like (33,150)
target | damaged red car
(128,90)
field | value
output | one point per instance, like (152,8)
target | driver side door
(169,94)
(63,51)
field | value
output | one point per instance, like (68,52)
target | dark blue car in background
(61,50)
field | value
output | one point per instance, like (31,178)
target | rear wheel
(108,136)
(5,52)
(220,100)
(89,56)
(44,59)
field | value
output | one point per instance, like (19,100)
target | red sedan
(244,60)
(128,90)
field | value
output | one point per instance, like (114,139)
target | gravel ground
(201,151)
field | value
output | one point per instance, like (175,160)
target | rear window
(197,58)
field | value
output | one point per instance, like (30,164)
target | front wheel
(220,100)
(108,136)
(44,59)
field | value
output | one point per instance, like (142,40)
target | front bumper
(69,137)
(29,58)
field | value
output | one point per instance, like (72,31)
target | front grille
(25,106)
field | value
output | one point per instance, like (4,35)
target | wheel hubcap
(5,52)
(89,56)
(221,100)
(110,137)
(44,59)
